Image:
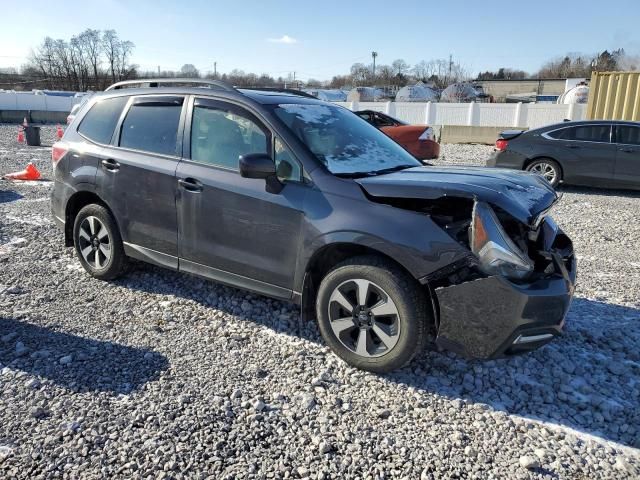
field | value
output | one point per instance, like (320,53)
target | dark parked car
(302,200)
(418,140)
(593,153)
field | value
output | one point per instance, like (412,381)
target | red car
(418,140)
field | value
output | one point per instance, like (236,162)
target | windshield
(342,141)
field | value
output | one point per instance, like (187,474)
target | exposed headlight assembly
(497,253)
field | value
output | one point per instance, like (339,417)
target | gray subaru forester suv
(302,200)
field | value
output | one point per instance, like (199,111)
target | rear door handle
(574,146)
(190,185)
(627,150)
(110,165)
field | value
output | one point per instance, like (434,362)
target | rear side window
(100,122)
(628,135)
(152,126)
(586,133)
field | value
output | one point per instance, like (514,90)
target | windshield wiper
(392,169)
(373,173)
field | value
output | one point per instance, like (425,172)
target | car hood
(521,194)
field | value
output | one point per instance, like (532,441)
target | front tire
(548,169)
(372,314)
(98,243)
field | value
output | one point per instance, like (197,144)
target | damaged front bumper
(492,317)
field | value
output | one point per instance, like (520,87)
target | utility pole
(215,70)
(158,69)
(374,55)
(450,65)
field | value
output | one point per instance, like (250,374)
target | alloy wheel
(94,242)
(546,170)
(364,318)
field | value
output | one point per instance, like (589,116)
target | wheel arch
(328,256)
(77,202)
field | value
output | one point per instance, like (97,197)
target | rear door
(627,170)
(97,128)
(137,179)
(586,153)
(230,228)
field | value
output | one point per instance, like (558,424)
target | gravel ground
(161,375)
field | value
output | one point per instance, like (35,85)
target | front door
(627,171)
(229,227)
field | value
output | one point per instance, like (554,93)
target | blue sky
(325,38)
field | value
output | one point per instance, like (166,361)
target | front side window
(628,135)
(584,133)
(342,141)
(152,126)
(100,122)
(220,136)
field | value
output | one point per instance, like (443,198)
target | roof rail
(156,82)
(292,91)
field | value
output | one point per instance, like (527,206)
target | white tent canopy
(416,93)
(459,93)
(578,94)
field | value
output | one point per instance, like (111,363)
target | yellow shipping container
(614,96)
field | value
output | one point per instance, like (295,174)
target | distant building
(501,89)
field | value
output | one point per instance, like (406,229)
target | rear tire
(372,314)
(98,243)
(548,169)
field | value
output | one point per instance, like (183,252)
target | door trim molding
(150,256)
(232,279)
(235,280)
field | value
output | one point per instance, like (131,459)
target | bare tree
(385,74)
(400,67)
(77,64)
(188,70)
(111,47)
(360,74)
(91,46)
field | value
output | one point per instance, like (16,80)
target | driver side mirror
(257,165)
(260,165)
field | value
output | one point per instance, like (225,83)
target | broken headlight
(497,253)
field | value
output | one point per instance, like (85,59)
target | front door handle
(574,146)
(110,165)
(190,185)
(627,150)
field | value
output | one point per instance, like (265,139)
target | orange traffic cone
(20,134)
(29,173)
(59,132)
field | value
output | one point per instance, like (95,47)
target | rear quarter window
(100,121)
(584,133)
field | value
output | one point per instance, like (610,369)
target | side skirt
(231,279)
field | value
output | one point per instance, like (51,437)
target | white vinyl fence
(523,115)
(36,102)
(526,115)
